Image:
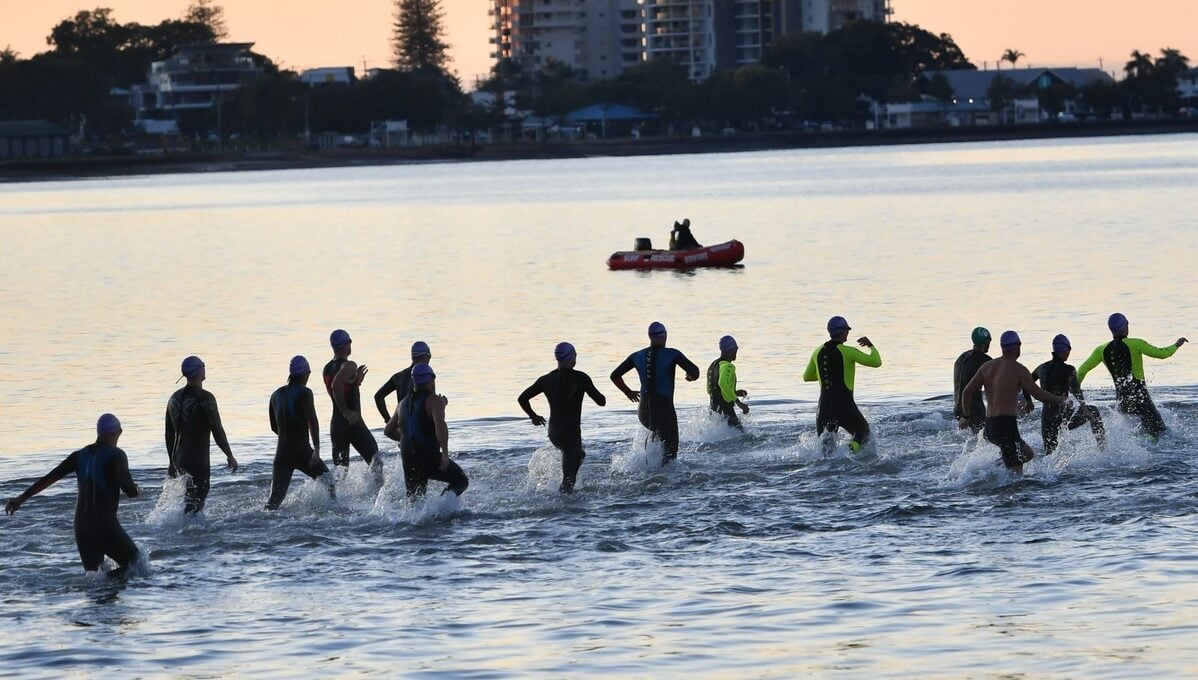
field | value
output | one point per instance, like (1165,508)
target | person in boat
(721,384)
(102,471)
(1060,378)
(681,237)
(655,366)
(833,364)
(1002,379)
(564,389)
(1124,358)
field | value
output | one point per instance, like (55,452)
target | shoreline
(77,168)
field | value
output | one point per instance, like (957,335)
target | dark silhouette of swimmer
(102,471)
(192,421)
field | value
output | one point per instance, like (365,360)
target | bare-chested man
(1004,379)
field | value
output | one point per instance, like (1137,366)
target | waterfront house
(335,75)
(28,139)
(197,77)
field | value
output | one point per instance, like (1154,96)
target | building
(196,77)
(1187,88)
(26,139)
(599,38)
(341,75)
(825,16)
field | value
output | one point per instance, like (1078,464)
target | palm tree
(1012,55)
(1140,65)
(1172,60)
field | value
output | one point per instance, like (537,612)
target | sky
(355,32)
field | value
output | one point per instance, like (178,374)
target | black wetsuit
(655,367)
(1003,432)
(964,369)
(421,452)
(837,408)
(681,238)
(290,408)
(192,421)
(400,384)
(1060,378)
(564,389)
(718,404)
(102,471)
(1131,393)
(341,433)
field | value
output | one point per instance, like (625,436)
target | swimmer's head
(980,336)
(422,374)
(1117,323)
(1010,342)
(108,424)
(838,325)
(657,333)
(1060,344)
(564,352)
(339,338)
(299,366)
(192,367)
(727,343)
(420,350)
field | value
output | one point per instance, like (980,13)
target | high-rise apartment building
(598,37)
(825,16)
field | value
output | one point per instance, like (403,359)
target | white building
(342,75)
(825,16)
(195,78)
(1187,87)
(597,37)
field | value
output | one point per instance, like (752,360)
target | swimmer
(833,364)
(721,384)
(401,382)
(293,418)
(192,422)
(425,439)
(655,365)
(1060,378)
(342,380)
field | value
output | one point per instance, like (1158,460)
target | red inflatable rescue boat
(720,255)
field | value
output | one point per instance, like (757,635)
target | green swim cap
(980,336)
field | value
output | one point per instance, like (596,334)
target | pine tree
(210,14)
(418,37)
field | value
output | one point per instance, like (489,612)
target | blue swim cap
(1009,339)
(420,349)
(108,424)
(299,366)
(339,338)
(837,324)
(1061,344)
(564,351)
(1117,323)
(727,343)
(980,335)
(422,374)
(657,329)
(192,366)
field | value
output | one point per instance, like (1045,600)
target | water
(752,556)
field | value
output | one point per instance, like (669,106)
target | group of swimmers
(418,420)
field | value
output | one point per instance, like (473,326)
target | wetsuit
(102,471)
(564,389)
(834,365)
(400,384)
(1003,432)
(1124,358)
(1060,378)
(341,433)
(681,238)
(421,452)
(655,367)
(192,420)
(291,407)
(964,369)
(721,387)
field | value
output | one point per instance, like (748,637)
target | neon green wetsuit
(1124,358)
(721,386)
(834,364)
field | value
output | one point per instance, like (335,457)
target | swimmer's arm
(218,433)
(63,469)
(526,397)
(812,372)
(1138,345)
(170,444)
(974,385)
(1029,387)
(1090,363)
(344,377)
(392,429)
(617,378)
(124,479)
(871,360)
(593,392)
(692,371)
(727,382)
(380,397)
(274,423)
(1075,388)
(436,411)
(313,423)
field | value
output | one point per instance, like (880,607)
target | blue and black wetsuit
(656,366)
(421,452)
(564,389)
(341,433)
(192,421)
(291,409)
(1060,378)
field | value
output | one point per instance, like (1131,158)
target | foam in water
(544,470)
(642,457)
(168,509)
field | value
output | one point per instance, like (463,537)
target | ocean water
(752,556)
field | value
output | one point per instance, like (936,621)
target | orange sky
(348,32)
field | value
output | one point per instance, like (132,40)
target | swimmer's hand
(232,462)
(362,373)
(1027,407)
(444,400)
(315,460)
(1181,341)
(864,342)
(537,420)
(444,460)
(13,505)
(692,377)
(742,393)
(744,408)
(634,397)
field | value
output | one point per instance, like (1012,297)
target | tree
(1012,55)
(208,13)
(1001,94)
(8,56)
(418,39)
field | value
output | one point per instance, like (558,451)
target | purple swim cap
(192,366)
(108,424)
(420,349)
(1009,339)
(837,324)
(299,366)
(657,329)
(1061,344)
(727,343)
(422,374)
(339,338)
(564,351)
(1117,323)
